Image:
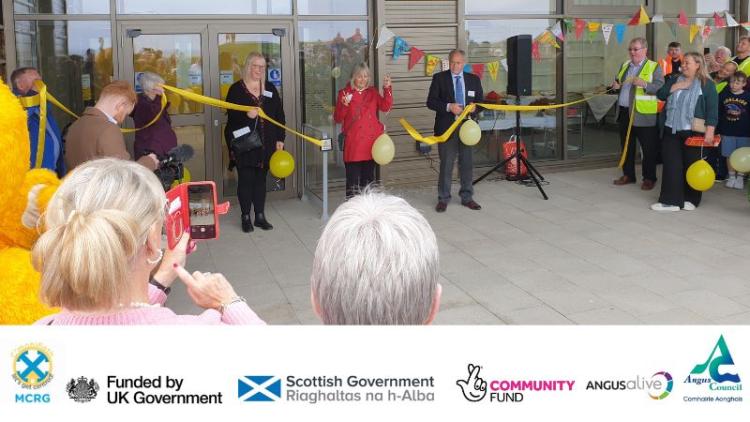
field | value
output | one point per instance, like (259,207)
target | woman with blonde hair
(692,110)
(252,165)
(357,110)
(101,245)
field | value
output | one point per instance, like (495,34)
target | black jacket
(442,93)
(269,133)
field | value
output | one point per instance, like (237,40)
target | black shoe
(260,221)
(247,224)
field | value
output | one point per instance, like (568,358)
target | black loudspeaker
(519,65)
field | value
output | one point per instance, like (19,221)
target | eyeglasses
(635,49)
(258,66)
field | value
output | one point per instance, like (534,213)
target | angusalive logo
(259,388)
(475,388)
(82,390)
(715,376)
(658,386)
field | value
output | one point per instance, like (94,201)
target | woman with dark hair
(252,166)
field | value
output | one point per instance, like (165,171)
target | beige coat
(94,136)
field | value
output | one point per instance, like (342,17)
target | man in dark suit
(450,92)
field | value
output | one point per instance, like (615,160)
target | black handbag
(247,142)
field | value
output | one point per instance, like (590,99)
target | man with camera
(97,133)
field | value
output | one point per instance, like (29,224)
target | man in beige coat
(97,134)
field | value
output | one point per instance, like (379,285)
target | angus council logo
(32,366)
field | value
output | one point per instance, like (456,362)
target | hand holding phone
(192,208)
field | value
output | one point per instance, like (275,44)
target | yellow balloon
(740,160)
(470,133)
(282,164)
(185,177)
(383,149)
(700,176)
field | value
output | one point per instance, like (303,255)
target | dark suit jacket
(441,94)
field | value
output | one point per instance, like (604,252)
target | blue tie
(459,93)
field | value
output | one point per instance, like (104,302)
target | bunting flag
(657,18)
(478,69)
(415,55)
(535,51)
(593,29)
(693,32)
(719,22)
(580,25)
(400,46)
(504,62)
(730,20)
(569,25)
(557,31)
(467,68)
(548,38)
(384,34)
(430,63)
(445,64)
(746,25)
(673,28)
(607,31)
(639,18)
(682,18)
(620,32)
(493,67)
(706,33)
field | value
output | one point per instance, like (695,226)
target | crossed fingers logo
(474,387)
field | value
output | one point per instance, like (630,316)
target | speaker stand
(518,156)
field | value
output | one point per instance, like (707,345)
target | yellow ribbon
(434,139)
(192,96)
(627,138)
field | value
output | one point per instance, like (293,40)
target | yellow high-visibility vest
(644,103)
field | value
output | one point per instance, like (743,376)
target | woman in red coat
(357,109)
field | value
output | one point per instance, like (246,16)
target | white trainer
(739,183)
(730,181)
(688,206)
(664,208)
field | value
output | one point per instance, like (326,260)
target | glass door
(176,52)
(230,45)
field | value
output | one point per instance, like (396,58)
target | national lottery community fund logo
(716,377)
(32,370)
(658,386)
(475,388)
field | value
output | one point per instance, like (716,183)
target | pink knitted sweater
(236,314)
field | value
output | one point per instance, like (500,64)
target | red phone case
(177,219)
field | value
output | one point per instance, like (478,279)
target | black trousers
(677,158)
(251,189)
(649,139)
(358,175)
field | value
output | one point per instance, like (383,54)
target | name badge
(470,94)
(239,132)
(268,94)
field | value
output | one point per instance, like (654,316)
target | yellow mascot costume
(24,195)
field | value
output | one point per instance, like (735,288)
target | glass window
(718,37)
(74,58)
(512,7)
(590,67)
(71,7)
(607,2)
(487,43)
(328,51)
(332,7)
(692,7)
(192,7)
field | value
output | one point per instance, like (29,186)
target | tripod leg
(534,178)
(533,169)
(494,169)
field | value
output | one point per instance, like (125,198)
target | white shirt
(110,118)
(453,79)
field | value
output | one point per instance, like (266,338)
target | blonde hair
(702,72)
(96,224)
(120,89)
(358,68)
(249,61)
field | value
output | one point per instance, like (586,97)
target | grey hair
(640,40)
(357,69)
(456,51)
(376,263)
(725,49)
(150,80)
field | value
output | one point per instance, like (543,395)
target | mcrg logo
(82,390)
(32,366)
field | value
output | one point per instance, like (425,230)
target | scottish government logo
(502,390)
(259,388)
(82,390)
(716,379)
(32,370)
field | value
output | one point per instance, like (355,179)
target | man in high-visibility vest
(638,80)
(743,57)
(721,78)
(673,60)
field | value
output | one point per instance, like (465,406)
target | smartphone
(201,210)
(706,50)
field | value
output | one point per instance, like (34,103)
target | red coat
(359,119)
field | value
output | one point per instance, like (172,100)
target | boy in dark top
(734,124)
